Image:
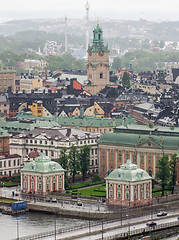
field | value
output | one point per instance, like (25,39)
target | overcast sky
(155,10)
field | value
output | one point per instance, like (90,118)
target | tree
(116,63)
(125,80)
(63,159)
(84,160)
(173,172)
(163,172)
(73,161)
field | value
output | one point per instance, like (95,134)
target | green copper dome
(42,164)
(128,172)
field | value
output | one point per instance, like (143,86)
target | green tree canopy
(163,172)
(125,80)
(63,159)
(73,161)
(84,160)
(173,172)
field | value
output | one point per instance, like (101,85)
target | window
(127,195)
(14,162)
(142,158)
(9,163)
(51,142)
(18,162)
(52,153)
(40,186)
(110,193)
(25,184)
(30,141)
(0,164)
(60,184)
(134,157)
(46,152)
(35,141)
(141,194)
(112,155)
(120,156)
(32,185)
(103,154)
(101,75)
(119,194)
(26,141)
(47,186)
(40,141)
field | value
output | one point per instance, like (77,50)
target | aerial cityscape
(89,120)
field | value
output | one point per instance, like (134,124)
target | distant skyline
(152,10)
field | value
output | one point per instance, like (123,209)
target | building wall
(112,157)
(128,193)
(42,182)
(10,165)
(51,148)
(4,108)
(4,146)
(37,83)
(37,109)
(7,79)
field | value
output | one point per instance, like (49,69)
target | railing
(142,231)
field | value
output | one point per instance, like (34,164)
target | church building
(97,64)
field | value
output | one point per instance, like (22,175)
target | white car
(161,214)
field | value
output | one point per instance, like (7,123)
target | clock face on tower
(101,52)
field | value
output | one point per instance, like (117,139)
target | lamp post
(17,229)
(55,227)
(128,226)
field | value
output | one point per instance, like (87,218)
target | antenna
(87,24)
(66,40)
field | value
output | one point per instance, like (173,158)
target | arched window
(101,75)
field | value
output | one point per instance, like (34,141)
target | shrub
(96,178)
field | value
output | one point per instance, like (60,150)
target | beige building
(98,63)
(146,88)
(7,79)
(28,84)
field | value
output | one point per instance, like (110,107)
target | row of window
(9,163)
(51,142)
(40,185)
(127,194)
(9,173)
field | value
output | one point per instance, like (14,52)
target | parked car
(79,203)
(47,199)
(54,200)
(161,214)
(151,224)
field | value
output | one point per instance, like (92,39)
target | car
(161,214)
(47,199)
(79,203)
(54,200)
(151,224)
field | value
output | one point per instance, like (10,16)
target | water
(32,223)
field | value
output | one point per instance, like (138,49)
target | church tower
(98,63)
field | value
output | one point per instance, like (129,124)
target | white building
(50,141)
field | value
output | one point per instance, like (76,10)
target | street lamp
(128,226)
